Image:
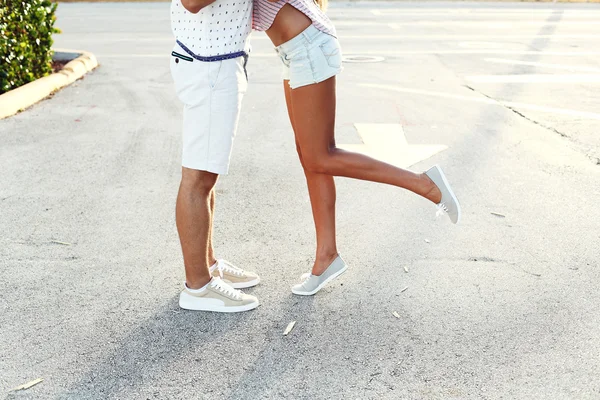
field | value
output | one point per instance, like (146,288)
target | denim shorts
(311,57)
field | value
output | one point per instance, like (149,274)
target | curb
(27,95)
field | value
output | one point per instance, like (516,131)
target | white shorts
(212,95)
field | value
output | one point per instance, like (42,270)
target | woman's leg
(321,190)
(313,108)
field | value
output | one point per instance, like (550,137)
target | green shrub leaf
(26,30)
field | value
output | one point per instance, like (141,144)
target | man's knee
(201,182)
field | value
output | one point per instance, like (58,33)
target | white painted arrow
(387,142)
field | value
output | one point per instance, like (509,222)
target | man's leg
(211,250)
(194,223)
(209,122)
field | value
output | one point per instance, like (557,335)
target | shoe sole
(449,189)
(325,282)
(188,302)
(245,285)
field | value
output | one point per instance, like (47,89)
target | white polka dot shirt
(217,31)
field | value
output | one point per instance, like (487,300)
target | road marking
(477,11)
(390,53)
(414,52)
(473,51)
(384,13)
(448,37)
(161,55)
(481,45)
(387,142)
(490,24)
(485,100)
(461,37)
(536,78)
(543,65)
(362,59)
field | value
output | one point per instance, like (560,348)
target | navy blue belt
(212,58)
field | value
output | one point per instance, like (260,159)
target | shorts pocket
(241,75)
(187,79)
(332,52)
(301,68)
(245,67)
(181,57)
(214,72)
(284,59)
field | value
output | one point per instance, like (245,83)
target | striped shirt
(265,12)
(218,31)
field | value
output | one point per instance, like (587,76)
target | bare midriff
(288,24)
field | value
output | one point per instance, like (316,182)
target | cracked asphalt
(503,306)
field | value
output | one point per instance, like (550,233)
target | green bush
(26,28)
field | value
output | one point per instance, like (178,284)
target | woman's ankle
(323,260)
(431,192)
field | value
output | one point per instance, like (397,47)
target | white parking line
(474,51)
(543,65)
(463,37)
(475,11)
(448,37)
(481,45)
(385,13)
(489,24)
(485,100)
(390,53)
(535,78)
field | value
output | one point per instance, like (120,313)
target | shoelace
(441,209)
(224,266)
(225,289)
(304,277)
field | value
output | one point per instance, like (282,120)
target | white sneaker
(449,204)
(217,296)
(311,284)
(235,277)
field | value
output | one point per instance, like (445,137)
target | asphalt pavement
(502,306)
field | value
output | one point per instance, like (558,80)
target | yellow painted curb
(27,95)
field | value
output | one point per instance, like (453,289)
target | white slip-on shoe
(311,284)
(236,277)
(217,296)
(449,204)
